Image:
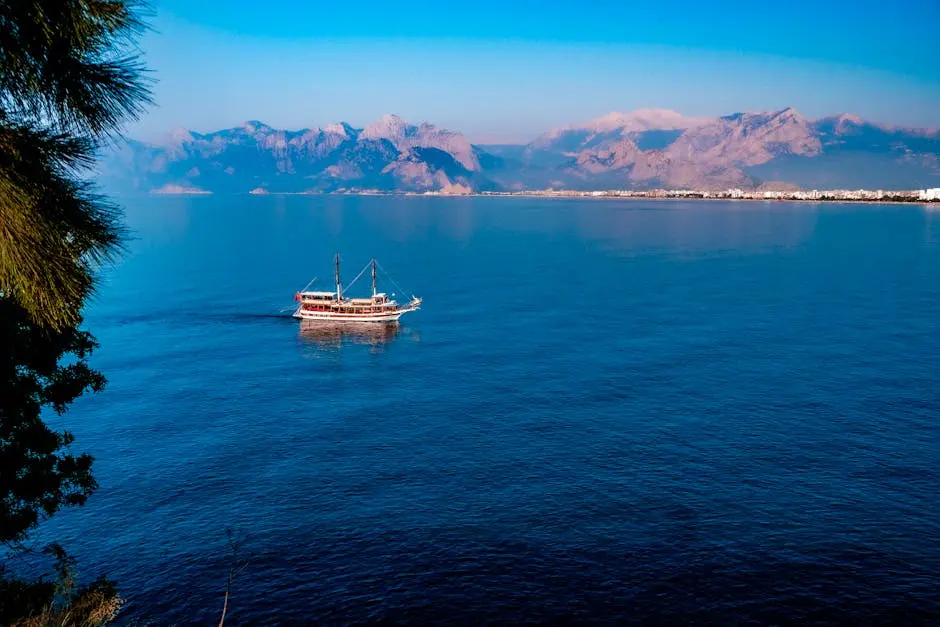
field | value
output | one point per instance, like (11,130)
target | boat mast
(373,277)
(339,283)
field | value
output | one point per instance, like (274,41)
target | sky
(506,71)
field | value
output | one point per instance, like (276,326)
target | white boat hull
(329,316)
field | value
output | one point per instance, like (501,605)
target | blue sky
(506,71)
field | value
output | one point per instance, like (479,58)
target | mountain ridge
(641,149)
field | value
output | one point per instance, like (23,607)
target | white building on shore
(816,195)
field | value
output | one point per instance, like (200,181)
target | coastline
(713,199)
(838,196)
(906,197)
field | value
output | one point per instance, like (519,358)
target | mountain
(709,154)
(857,154)
(659,148)
(635,126)
(390,154)
(406,137)
(643,149)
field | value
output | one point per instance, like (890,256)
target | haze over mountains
(648,148)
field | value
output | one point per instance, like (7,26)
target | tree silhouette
(37,473)
(69,78)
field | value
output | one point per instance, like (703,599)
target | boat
(334,306)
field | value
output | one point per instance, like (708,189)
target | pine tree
(69,78)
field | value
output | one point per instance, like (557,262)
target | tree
(39,368)
(69,78)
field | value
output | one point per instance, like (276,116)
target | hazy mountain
(647,129)
(390,154)
(643,149)
(858,154)
(660,148)
(406,137)
(708,154)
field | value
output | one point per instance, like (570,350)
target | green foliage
(69,77)
(39,368)
(60,602)
(53,228)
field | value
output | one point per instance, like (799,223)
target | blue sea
(606,411)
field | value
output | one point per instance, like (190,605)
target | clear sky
(508,70)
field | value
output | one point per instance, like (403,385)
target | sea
(605,411)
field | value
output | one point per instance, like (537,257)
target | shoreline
(714,199)
(706,196)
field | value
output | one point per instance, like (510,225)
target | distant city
(829,195)
(838,195)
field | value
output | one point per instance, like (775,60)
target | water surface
(649,411)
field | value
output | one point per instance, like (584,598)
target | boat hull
(330,316)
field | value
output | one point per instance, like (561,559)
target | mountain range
(644,149)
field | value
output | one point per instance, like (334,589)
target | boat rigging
(336,307)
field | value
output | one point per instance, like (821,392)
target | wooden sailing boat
(335,307)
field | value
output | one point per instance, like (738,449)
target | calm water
(648,411)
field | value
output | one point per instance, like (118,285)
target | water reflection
(331,336)
(401,220)
(163,218)
(932,223)
(630,227)
(696,228)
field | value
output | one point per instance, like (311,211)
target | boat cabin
(317,297)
